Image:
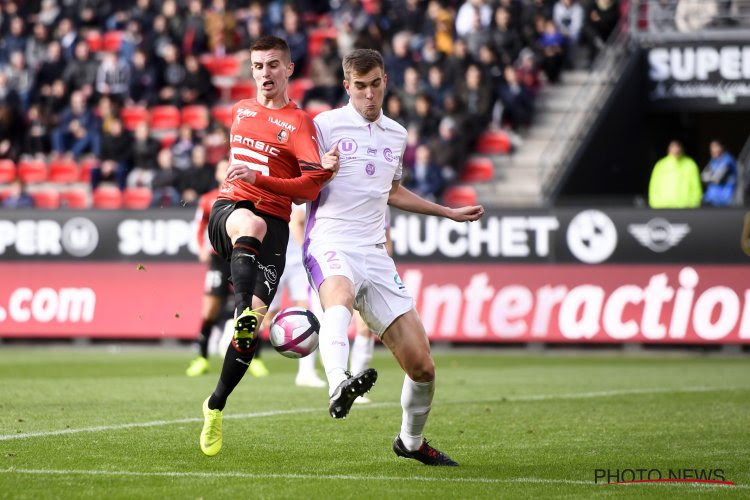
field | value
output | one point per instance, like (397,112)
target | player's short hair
(270,42)
(362,61)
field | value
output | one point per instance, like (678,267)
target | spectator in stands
(68,37)
(170,76)
(48,13)
(426,178)
(477,101)
(52,67)
(19,78)
(326,74)
(436,86)
(80,73)
(552,46)
(675,181)
(54,103)
(14,40)
(194,41)
(182,149)
(221,27)
(516,101)
(216,144)
(116,156)
(36,47)
(394,108)
(142,80)
(410,90)
(472,14)
(426,118)
(198,179)
(448,148)
(113,77)
(145,150)
(164,181)
(18,197)
(10,130)
(78,131)
(439,25)
(528,72)
(196,86)
(568,16)
(601,20)
(294,33)
(719,177)
(399,59)
(504,39)
(36,136)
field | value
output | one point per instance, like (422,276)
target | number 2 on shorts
(332,260)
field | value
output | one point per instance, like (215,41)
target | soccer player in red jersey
(272,146)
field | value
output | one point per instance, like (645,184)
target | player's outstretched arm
(402,198)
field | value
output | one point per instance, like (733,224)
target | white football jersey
(351,208)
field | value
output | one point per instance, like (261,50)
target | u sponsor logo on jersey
(348,146)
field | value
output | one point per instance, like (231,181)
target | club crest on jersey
(348,146)
(370,168)
(282,136)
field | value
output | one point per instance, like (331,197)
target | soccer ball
(294,332)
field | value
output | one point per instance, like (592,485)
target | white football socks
(362,349)
(307,365)
(334,344)
(416,400)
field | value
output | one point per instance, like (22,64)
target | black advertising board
(569,235)
(699,75)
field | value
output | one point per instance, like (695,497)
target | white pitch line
(336,477)
(273,413)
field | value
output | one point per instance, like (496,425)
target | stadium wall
(576,275)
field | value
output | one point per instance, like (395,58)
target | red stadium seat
(478,170)
(196,116)
(7,171)
(112,40)
(242,90)
(48,198)
(164,119)
(137,198)
(76,197)
(132,116)
(166,140)
(94,40)
(298,87)
(86,167)
(32,171)
(316,38)
(493,143)
(63,171)
(222,114)
(456,196)
(107,198)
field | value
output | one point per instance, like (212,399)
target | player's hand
(204,255)
(330,160)
(242,172)
(466,214)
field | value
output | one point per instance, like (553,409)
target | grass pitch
(104,423)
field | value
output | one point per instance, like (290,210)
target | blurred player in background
(345,253)
(217,284)
(294,280)
(274,160)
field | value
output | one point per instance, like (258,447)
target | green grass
(521,425)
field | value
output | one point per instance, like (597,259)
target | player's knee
(246,224)
(422,370)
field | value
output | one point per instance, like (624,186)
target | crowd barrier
(576,275)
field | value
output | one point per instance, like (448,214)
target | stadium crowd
(135,93)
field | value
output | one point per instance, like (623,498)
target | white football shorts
(379,294)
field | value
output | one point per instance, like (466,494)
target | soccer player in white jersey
(346,258)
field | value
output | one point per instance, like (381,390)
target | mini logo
(268,285)
(658,234)
(347,146)
(370,168)
(399,283)
(269,272)
(372,151)
(388,154)
(79,237)
(245,113)
(282,136)
(591,236)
